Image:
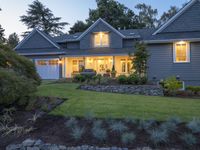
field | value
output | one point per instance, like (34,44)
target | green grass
(118,105)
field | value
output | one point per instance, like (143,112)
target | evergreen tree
(41,17)
(167,15)
(13,40)
(147,15)
(79,26)
(2,38)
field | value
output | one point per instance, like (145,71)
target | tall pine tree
(41,17)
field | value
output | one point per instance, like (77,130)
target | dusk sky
(69,10)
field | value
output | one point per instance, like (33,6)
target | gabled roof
(94,24)
(43,34)
(170,21)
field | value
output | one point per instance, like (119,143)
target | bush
(168,127)
(194,89)
(79,78)
(97,124)
(15,88)
(172,84)
(118,127)
(158,136)
(128,138)
(194,125)
(77,133)
(146,124)
(143,80)
(130,119)
(122,79)
(176,120)
(72,122)
(189,139)
(89,116)
(19,64)
(133,79)
(99,133)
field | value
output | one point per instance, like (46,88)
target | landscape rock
(150,90)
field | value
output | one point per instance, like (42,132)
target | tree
(115,14)
(79,26)
(13,40)
(2,38)
(140,59)
(147,15)
(167,15)
(38,16)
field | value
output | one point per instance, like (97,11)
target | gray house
(174,49)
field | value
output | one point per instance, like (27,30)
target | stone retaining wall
(151,90)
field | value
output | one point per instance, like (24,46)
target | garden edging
(150,90)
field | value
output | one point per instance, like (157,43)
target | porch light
(60,61)
(181,42)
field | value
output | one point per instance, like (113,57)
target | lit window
(41,62)
(181,52)
(101,39)
(123,65)
(53,62)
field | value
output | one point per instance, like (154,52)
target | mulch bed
(52,129)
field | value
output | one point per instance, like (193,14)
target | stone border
(150,90)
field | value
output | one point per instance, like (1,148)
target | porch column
(113,61)
(64,68)
(60,68)
(84,61)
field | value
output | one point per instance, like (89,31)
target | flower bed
(151,90)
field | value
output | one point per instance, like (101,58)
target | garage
(48,68)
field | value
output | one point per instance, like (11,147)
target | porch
(73,65)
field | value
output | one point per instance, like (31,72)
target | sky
(69,10)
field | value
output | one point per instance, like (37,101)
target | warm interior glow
(181,51)
(101,39)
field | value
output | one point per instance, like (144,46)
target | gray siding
(37,41)
(73,45)
(87,41)
(161,63)
(128,43)
(188,21)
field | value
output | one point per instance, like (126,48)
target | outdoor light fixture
(178,77)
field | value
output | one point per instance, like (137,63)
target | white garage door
(48,68)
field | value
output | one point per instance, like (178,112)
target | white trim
(94,24)
(180,12)
(32,32)
(172,40)
(187,53)
(49,53)
(26,38)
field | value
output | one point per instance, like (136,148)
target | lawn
(118,105)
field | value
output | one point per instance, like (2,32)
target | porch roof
(99,51)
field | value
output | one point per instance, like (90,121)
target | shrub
(143,80)
(72,122)
(172,84)
(133,79)
(168,127)
(130,120)
(79,78)
(99,77)
(158,136)
(146,124)
(97,124)
(89,116)
(22,66)
(194,89)
(118,127)
(189,139)
(99,133)
(15,88)
(176,120)
(194,125)
(127,138)
(122,79)
(77,133)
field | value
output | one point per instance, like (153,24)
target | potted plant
(113,72)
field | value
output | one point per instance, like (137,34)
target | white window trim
(188,53)
(101,45)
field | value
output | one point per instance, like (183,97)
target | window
(77,65)
(41,62)
(181,52)
(123,65)
(101,39)
(53,62)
